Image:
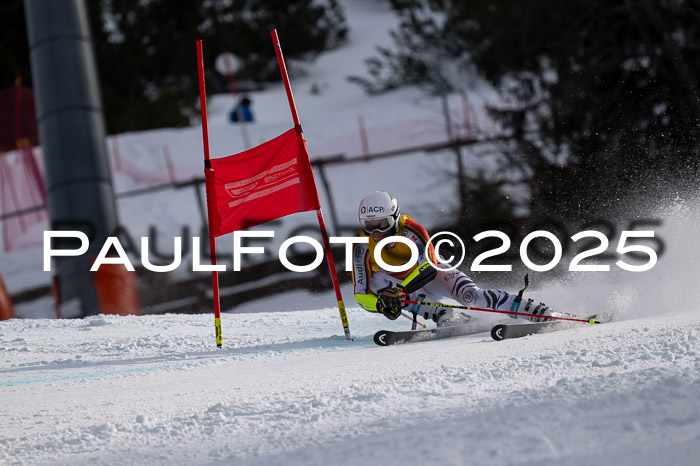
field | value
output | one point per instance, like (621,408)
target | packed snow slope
(288,389)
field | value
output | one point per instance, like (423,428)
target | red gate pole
(209,182)
(319,213)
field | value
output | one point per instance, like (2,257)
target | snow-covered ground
(287,388)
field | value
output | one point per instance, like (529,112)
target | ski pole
(414,310)
(469,308)
(414,320)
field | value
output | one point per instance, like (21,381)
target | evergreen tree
(14,47)
(146,57)
(146,50)
(600,97)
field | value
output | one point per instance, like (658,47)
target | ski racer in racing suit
(379,290)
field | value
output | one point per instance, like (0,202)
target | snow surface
(287,388)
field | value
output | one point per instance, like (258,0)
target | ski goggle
(380,225)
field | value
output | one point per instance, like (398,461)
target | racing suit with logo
(370,279)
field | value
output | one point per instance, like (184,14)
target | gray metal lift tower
(72,131)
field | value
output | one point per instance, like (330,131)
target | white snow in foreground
(288,389)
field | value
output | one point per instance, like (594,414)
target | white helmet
(378,211)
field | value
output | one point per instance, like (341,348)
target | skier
(242,111)
(379,290)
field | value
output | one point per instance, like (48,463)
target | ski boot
(542,311)
(446,317)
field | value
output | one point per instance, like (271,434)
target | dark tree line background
(601,97)
(146,56)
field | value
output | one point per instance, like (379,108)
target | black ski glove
(389,301)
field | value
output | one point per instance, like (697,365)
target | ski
(506,331)
(389,337)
